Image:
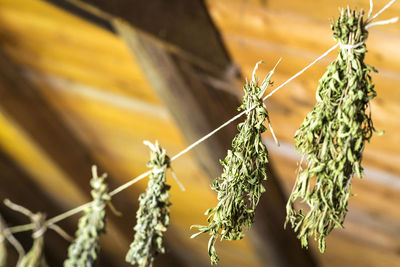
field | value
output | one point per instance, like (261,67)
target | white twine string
(196,143)
(350,46)
(39,232)
(36,221)
(380,11)
(371,7)
(370,25)
(177,180)
(382,22)
(119,189)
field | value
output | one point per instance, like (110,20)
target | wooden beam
(160,19)
(22,103)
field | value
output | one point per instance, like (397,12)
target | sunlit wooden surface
(91,78)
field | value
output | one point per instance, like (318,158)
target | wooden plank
(319,11)
(81,52)
(188,16)
(18,186)
(22,102)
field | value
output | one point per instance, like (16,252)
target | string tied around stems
(156,170)
(370,24)
(35,218)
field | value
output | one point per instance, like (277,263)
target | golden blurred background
(85,82)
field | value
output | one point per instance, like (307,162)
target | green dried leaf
(239,187)
(153,213)
(83,251)
(333,136)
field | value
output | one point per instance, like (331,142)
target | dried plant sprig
(333,135)
(85,248)
(240,186)
(35,257)
(153,213)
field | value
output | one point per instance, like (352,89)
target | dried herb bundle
(333,135)
(35,257)
(153,213)
(83,251)
(239,187)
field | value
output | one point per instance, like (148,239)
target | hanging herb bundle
(35,257)
(240,186)
(333,135)
(153,214)
(83,251)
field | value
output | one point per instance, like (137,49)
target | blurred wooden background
(77,90)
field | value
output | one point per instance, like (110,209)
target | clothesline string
(27,227)
(119,189)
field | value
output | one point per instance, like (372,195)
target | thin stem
(17,208)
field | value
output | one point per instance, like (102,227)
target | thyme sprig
(333,135)
(240,186)
(153,213)
(83,251)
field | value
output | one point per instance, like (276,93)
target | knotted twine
(35,257)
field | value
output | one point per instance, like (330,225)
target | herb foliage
(153,213)
(239,187)
(333,135)
(83,251)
